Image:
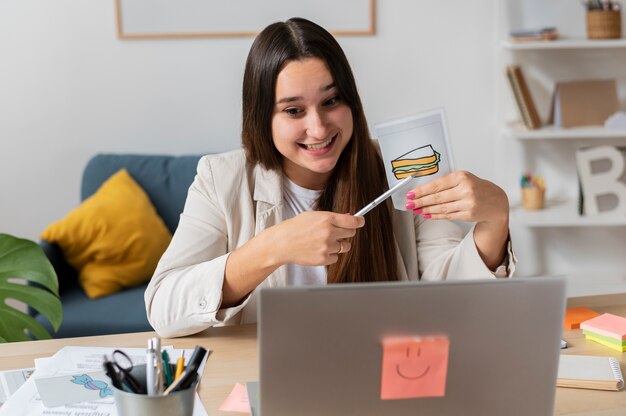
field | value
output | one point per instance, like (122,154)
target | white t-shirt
(298,200)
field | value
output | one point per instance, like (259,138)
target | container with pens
(157,388)
(604,19)
(533,191)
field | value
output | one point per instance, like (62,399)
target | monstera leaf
(24,259)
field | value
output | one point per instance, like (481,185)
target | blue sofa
(166,180)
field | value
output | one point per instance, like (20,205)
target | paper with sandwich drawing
(416,146)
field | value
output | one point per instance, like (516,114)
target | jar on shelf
(604,24)
(533,198)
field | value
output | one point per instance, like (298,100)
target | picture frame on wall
(167,19)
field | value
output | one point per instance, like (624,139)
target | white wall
(69,88)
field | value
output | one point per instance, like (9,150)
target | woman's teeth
(318,146)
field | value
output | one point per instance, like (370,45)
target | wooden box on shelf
(604,24)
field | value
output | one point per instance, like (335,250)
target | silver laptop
(323,350)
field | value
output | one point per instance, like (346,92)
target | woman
(272,214)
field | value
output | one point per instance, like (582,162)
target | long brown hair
(359,175)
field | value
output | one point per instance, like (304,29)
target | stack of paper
(606,329)
(11,381)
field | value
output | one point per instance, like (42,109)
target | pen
(189,374)
(158,364)
(180,366)
(384,196)
(166,367)
(154,367)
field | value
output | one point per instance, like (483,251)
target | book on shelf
(534,35)
(523,99)
(583,103)
(581,199)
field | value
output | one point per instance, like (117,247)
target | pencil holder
(533,198)
(604,24)
(176,403)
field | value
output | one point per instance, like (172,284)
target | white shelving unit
(589,250)
(562,213)
(554,133)
(565,44)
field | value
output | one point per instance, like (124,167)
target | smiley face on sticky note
(414,367)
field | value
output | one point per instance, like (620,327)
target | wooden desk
(234,358)
(592,402)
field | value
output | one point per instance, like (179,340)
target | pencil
(180,366)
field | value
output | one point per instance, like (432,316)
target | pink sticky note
(237,400)
(414,367)
(607,324)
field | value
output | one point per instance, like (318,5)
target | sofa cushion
(166,179)
(114,238)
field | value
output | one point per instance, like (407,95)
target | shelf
(557,133)
(562,214)
(566,44)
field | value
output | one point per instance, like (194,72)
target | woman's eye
(332,101)
(292,111)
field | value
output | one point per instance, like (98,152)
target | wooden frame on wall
(175,19)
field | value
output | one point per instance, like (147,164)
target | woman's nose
(316,125)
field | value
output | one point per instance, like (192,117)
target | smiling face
(414,367)
(311,125)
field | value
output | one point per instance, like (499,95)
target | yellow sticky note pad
(605,343)
(414,367)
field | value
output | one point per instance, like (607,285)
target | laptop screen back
(321,348)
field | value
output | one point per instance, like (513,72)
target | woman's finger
(343,246)
(438,198)
(447,208)
(438,185)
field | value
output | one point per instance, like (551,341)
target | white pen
(154,367)
(367,208)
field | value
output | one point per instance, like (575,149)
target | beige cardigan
(230,202)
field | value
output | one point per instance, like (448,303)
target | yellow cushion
(114,239)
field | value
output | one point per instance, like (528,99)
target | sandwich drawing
(422,161)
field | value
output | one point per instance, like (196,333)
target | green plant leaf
(24,259)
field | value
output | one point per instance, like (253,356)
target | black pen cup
(178,403)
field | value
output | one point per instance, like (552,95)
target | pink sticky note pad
(607,324)
(237,400)
(414,367)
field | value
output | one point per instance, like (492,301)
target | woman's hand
(463,196)
(460,196)
(314,238)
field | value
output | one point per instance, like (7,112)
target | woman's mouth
(318,146)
